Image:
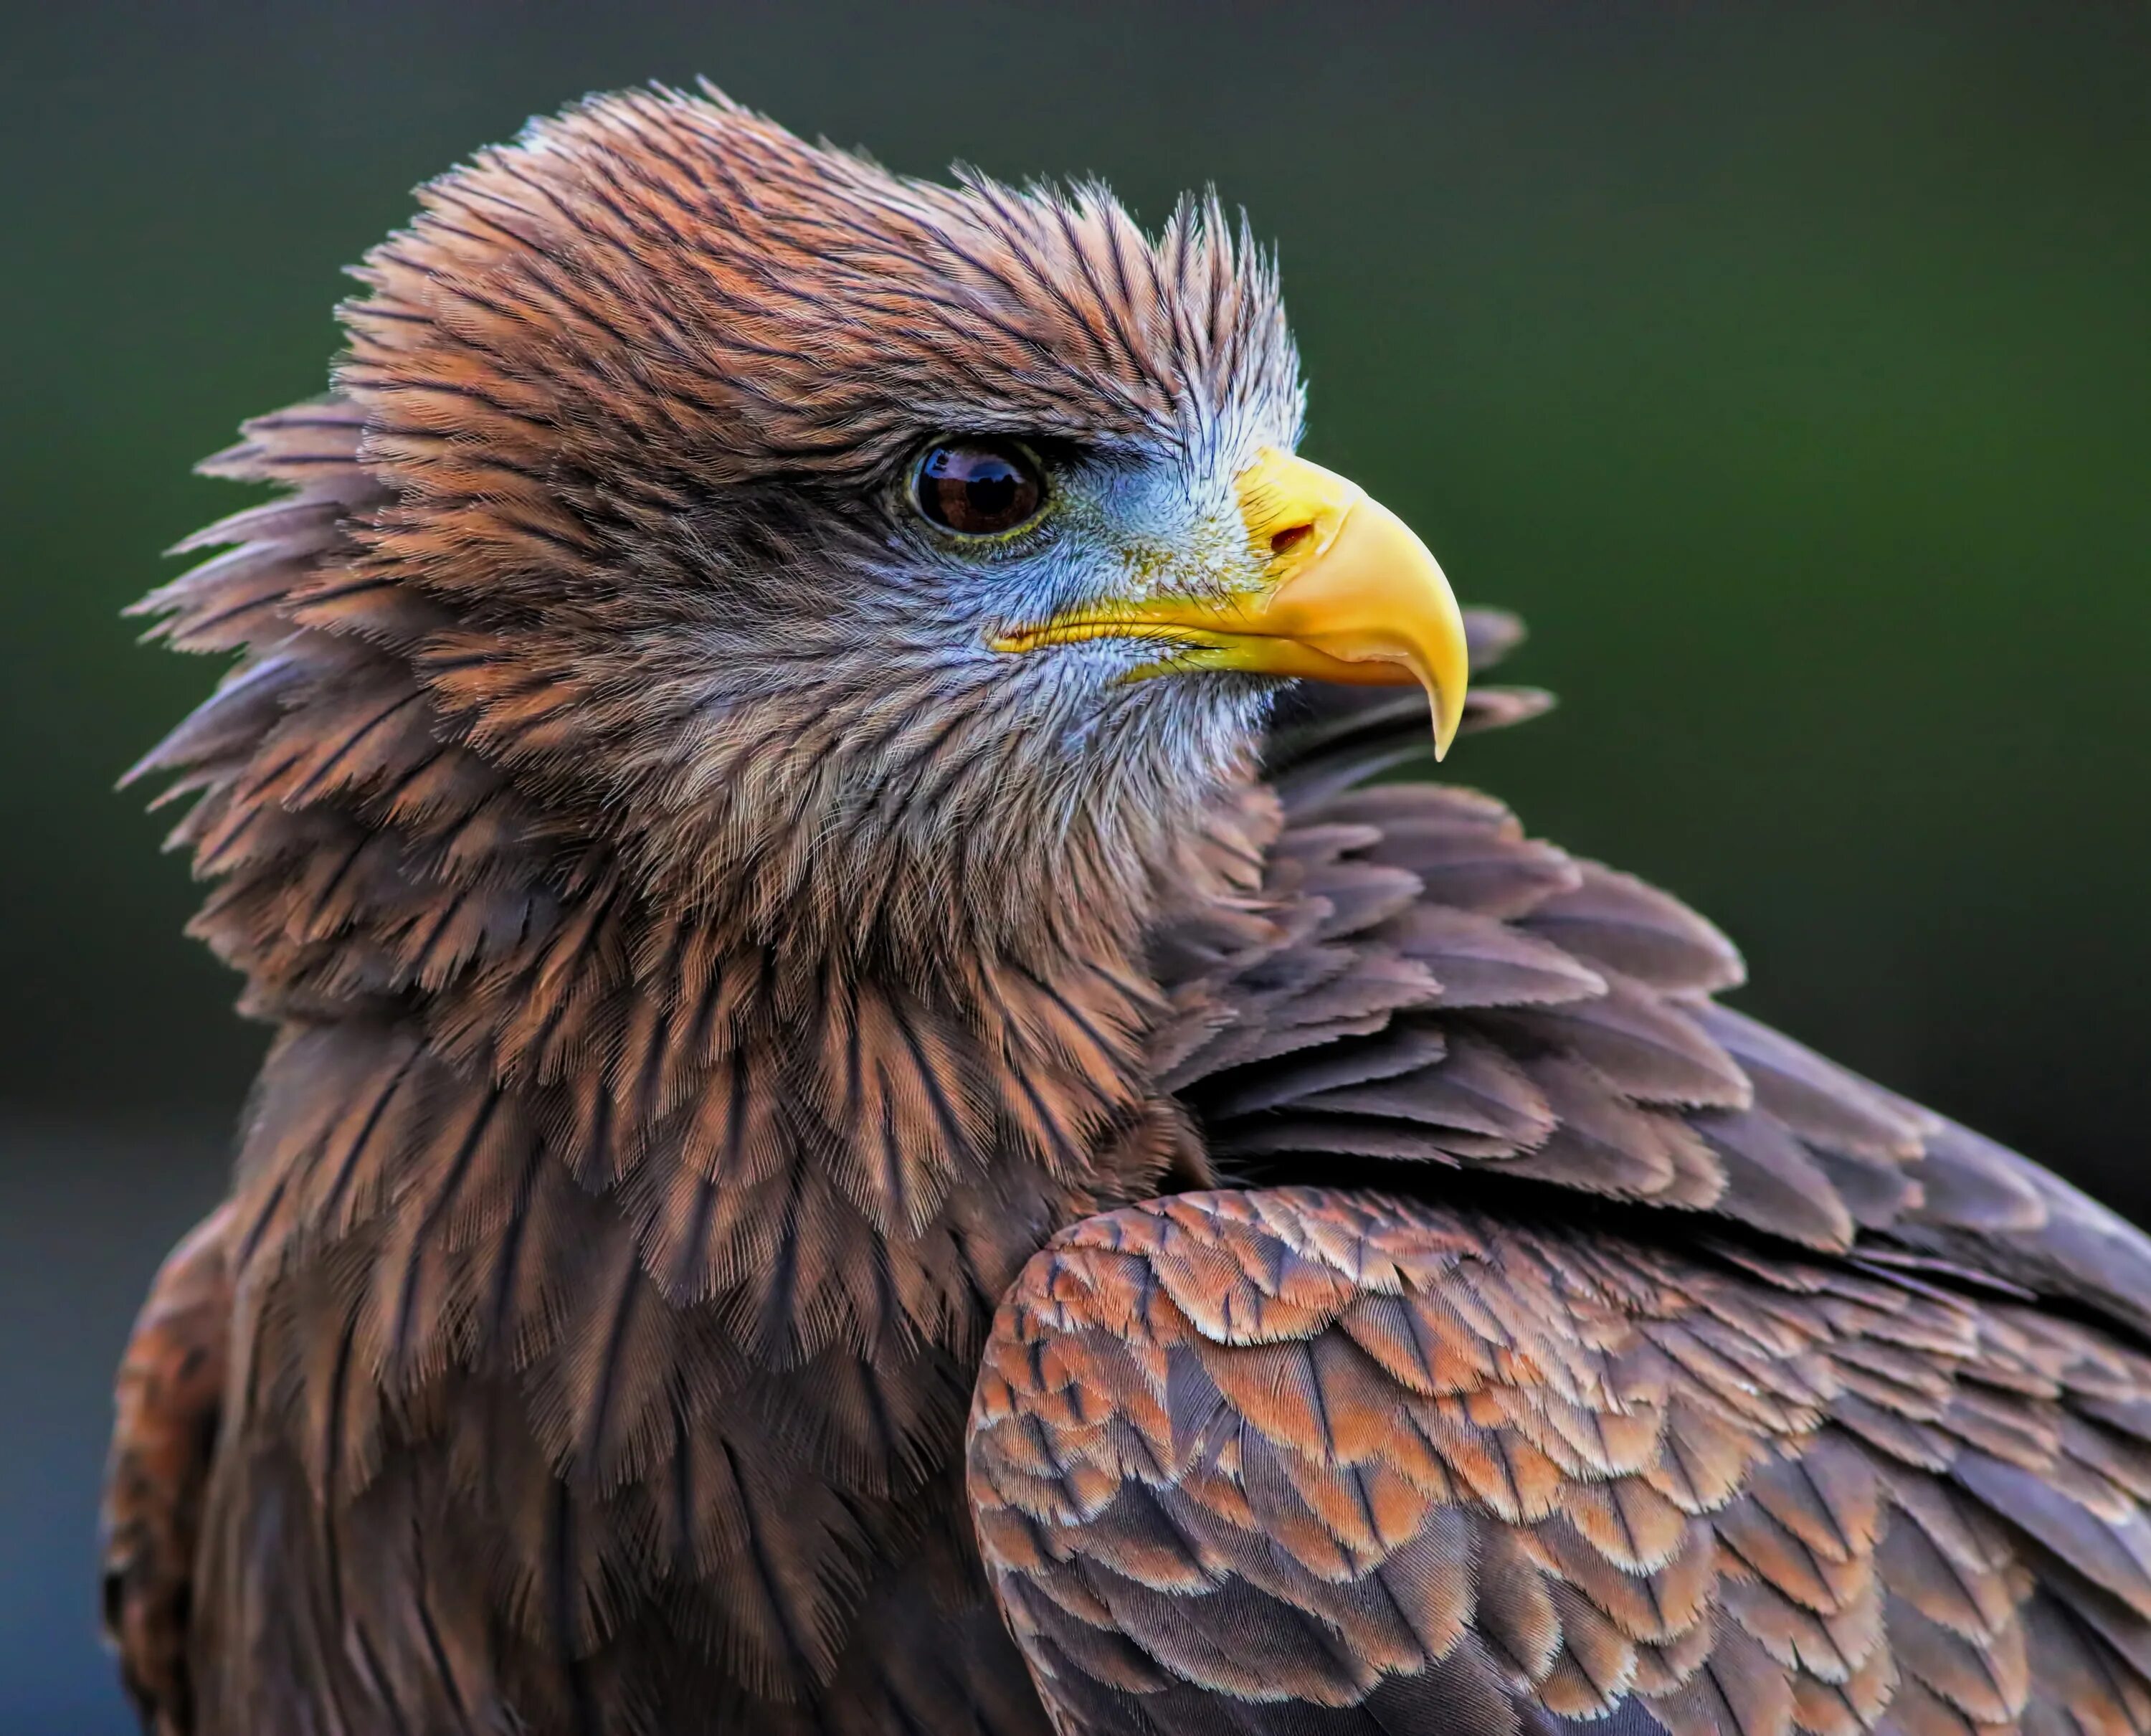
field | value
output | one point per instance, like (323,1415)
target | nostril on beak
(1283,542)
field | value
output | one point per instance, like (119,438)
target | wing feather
(1245,1460)
(1565,1033)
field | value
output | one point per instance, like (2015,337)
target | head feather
(622,378)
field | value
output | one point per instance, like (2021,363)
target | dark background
(1789,365)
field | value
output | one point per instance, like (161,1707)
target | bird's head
(816,535)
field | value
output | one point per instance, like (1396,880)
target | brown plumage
(743,1008)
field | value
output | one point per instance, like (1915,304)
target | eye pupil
(991,495)
(978,487)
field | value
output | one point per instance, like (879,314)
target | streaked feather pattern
(1449,1318)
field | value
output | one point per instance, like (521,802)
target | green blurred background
(1789,365)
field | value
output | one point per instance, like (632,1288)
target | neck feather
(735,1072)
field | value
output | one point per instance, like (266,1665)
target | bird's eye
(978,488)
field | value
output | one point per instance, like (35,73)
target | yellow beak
(1346,593)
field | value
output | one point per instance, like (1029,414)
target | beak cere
(1346,593)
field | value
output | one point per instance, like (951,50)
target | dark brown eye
(978,487)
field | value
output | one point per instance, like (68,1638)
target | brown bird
(873,1127)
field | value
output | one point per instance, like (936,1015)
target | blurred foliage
(1787,365)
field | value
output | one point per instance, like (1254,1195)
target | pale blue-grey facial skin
(1129,523)
(848,707)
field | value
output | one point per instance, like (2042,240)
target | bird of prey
(877,1121)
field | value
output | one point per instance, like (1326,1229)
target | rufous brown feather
(825,1167)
